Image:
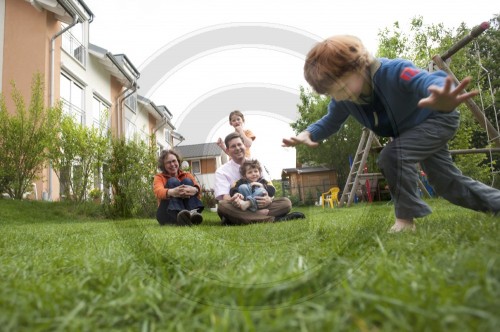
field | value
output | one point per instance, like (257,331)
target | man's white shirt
(225,176)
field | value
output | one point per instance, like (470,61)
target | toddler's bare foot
(402,225)
(263,211)
(244,205)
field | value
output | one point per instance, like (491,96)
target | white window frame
(167,136)
(69,102)
(131,130)
(196,169)
(97,115)
(71,173)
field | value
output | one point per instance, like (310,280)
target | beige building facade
(52,37)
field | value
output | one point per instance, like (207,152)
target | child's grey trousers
(427,144)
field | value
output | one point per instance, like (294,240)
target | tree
(483,61)
(78,154)
(26,136)
(333,152)
(131,168)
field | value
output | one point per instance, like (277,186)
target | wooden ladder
(356,174)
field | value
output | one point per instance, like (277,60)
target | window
(72,98)
(70,179)
(77,176)
(131,130)
(101,183)
(196,167)
(64,185)
(106,185)
(100,180)
(131,102)
(167,136)
(100,114)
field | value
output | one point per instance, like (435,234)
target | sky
(204,59)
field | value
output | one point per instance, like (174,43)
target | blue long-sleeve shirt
(398,86)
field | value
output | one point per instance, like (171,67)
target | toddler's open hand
(446,99)
(302,138)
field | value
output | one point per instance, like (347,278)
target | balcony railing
(75,112)
(74,47)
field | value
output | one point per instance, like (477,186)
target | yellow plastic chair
(331,196)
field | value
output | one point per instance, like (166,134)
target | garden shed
(307,183)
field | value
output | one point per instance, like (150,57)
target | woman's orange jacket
(161,179)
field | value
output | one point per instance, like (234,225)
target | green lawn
(338,270)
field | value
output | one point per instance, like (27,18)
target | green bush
(79,152)
(295,199)
(26,136)
(278,185)
(310,198)
(208,198)
(131,167)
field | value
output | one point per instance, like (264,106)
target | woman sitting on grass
(177,192)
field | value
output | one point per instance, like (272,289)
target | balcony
(72,46)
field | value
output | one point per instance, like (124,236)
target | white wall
(141,121)
(206,180)
(100,79)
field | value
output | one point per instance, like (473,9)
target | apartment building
(51,37)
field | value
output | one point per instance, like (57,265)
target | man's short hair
(230,137)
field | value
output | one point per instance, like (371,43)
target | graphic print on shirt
(408,73)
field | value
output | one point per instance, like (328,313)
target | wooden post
(476,111)
(464,41)
(439,60)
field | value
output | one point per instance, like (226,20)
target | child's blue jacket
(398,86)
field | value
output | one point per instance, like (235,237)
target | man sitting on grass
(229,208)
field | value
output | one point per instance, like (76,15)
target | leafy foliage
(208,198)
(487,71)
(77,156)
(278,185)
(419,43)
(475,59)
(130,172)
(333,152)
(26,136)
